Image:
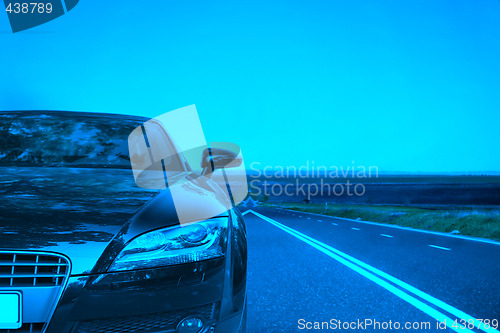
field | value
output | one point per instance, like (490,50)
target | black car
(84,249)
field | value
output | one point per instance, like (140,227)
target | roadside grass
(483,222)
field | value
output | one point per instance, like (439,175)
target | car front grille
(153,322)
(32,270)
(41,277)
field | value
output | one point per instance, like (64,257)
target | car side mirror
(218,158)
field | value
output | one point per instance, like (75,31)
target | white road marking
(439,247)
(308,218)
(488,241)
(355,228)
(334,223)
(320,220)
(377,276)
(246,212)
(386,235)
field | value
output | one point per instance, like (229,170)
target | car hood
(73,211)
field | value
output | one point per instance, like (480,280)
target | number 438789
(29,8)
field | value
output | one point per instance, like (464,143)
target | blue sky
(402,85)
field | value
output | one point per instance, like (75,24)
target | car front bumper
(150,300)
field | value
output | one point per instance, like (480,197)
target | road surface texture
(305,268)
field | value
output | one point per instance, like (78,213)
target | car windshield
(72,139)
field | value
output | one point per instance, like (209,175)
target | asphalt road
(305,268)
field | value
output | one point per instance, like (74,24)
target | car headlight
(174,245)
